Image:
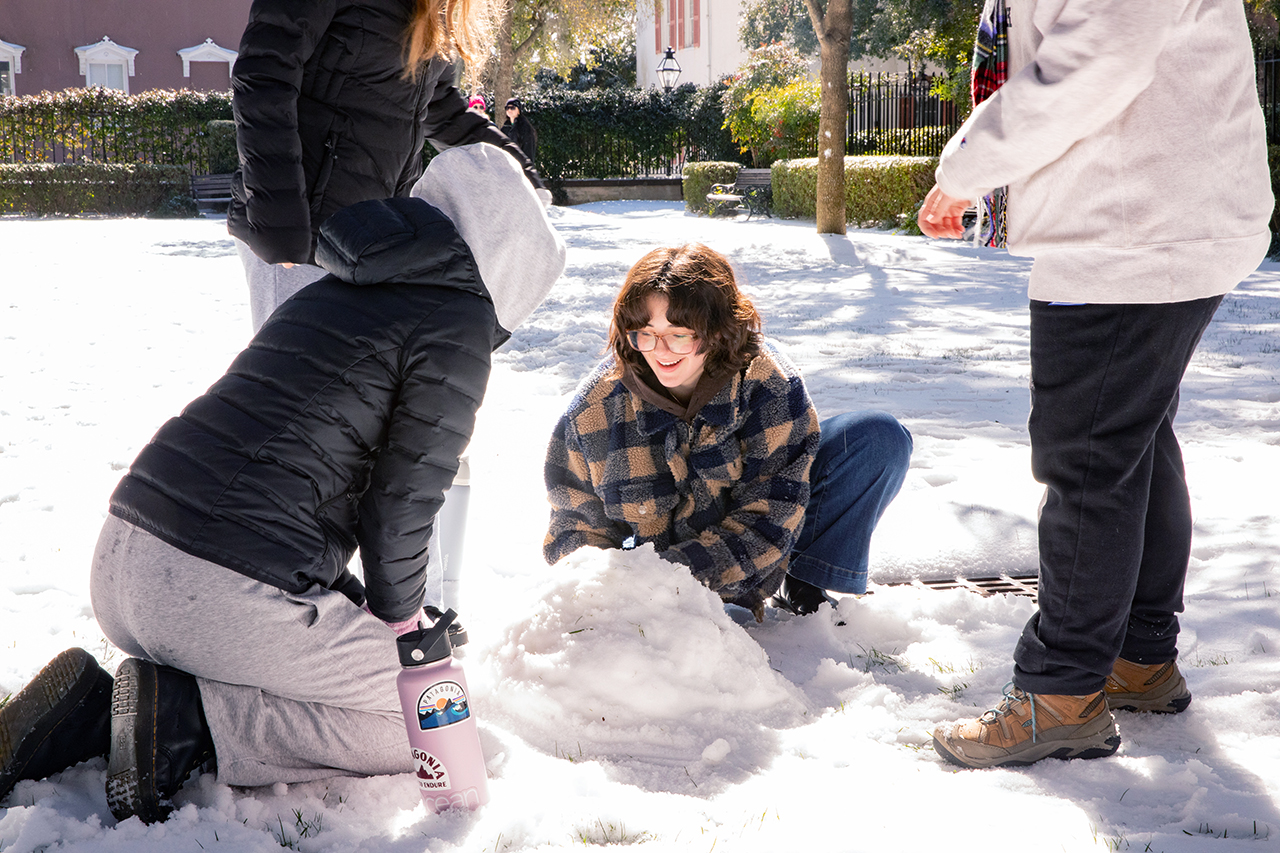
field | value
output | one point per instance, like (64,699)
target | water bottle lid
(427,645)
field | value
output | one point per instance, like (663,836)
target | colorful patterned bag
(990,70)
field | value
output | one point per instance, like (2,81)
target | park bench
(750,190)
(211,192)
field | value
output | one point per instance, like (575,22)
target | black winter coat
(325,119)
(523,134)
(342,422)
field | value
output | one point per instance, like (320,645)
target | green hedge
(626,133)
(876,188)
(108,126)
(223,156)
(697,181)
(110,188)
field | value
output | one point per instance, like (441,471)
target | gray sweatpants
(295,686)
(272,284)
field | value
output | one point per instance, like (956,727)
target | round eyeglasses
(680,343)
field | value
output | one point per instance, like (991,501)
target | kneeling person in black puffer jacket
(222,567)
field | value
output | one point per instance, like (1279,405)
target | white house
(703,36)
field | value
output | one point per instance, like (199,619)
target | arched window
(107,64)
(207,52)
(10,64)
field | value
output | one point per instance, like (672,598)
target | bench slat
(210,191)
(750,187)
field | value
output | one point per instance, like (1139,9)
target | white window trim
(13,53)
(107,52)
(207,52)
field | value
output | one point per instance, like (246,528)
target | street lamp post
(669,70)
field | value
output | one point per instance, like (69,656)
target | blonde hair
(447,28)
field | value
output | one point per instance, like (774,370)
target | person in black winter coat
(222,567)
(520,130)
(333,101)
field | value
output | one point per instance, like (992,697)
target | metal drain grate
(1024,585)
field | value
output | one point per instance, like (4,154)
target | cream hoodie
(1130,136)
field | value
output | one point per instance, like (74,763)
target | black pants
(1115,525)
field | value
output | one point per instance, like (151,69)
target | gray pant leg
(271,284)
(295,687)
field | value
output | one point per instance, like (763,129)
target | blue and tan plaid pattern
(724,495)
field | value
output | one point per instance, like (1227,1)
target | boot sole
(29,718)
(1036,753)
(1173,699)
(131,786)
(1166,706)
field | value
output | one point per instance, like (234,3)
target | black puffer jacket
(325,119)
(342,422)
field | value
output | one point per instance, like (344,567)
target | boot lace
(1013,694)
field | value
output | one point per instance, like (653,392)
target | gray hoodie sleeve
(1075,65)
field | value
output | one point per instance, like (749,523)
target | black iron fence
(898,114)
(1268,74)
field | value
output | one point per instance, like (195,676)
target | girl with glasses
(697,434)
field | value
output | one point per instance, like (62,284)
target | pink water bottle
(437,715)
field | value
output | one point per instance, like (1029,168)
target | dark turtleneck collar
(709,385)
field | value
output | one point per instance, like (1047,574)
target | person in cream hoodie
(222,566)
(1129,135)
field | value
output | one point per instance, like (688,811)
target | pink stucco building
(49,45)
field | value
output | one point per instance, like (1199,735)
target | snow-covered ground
(619,703)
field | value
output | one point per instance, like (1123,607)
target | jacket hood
(396,241)
(486,195)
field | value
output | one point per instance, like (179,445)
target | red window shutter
(696,41)
(672,41)
(657,28)
(682,42)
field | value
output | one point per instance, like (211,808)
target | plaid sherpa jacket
(724,494)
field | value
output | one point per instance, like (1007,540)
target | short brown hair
(702,294)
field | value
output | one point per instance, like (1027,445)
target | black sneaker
(800,597)
(61,718)
(159,736)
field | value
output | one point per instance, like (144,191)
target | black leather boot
(159,736)
(61,718)
(799,597)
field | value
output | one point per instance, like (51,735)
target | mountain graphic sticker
(442,704)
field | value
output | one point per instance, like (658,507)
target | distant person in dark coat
(520,130)
(333,101)
(222,567)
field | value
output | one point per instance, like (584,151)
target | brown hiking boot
(1027,727)
(1158,688)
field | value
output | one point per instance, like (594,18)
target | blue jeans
(861,462)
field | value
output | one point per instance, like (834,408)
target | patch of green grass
(304,827)
(884,661)
(607,832)
(1258,834)
(1214,659)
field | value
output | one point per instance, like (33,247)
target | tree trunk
(834,28)
(504,74)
